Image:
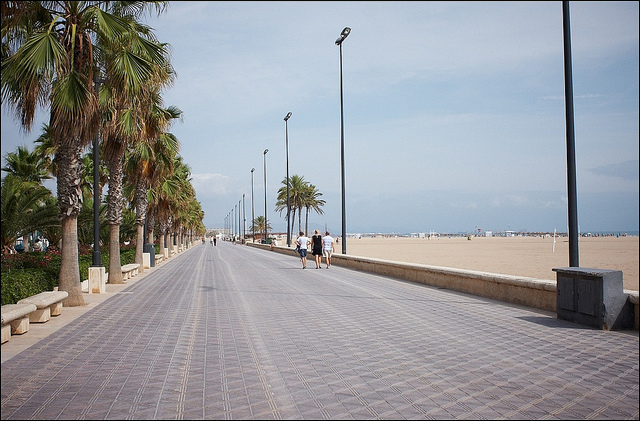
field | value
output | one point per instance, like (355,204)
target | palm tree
(28,166)
(51,53)
(297,187)
(311,201)
(46,149)
(144,164)
(130,121)
(178,204)
(259,225)
(26,207)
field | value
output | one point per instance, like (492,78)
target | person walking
(316,248)
(215,240)
(303,242)
(327,248)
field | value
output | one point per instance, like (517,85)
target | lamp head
(265,151)
(343,35)
(288,116)
(253,169)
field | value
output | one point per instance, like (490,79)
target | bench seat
(15,319)
(130,270)
(48,303)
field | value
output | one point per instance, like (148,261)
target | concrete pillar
(97,280)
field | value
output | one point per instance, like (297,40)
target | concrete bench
(15,319)
(130,270)
(159,258)
(48,303)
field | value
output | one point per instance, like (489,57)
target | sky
(454,112)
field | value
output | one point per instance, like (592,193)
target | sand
(533,257)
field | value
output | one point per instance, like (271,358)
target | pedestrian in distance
(327,248)
(215,241)
(211,240)
(316,248)
(303,243)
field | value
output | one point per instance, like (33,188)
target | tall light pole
(97,194)
(244,221)
(572,196)
(253,218)
(343,36)
(264,155)
(286,131)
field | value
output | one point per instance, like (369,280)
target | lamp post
(572,196)
(95,260)
(286,131)
(244,221)
(264,155)
(253,218)
(343,36)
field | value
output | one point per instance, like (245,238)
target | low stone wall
(530,292)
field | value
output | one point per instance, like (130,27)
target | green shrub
(22,283)
(27,274)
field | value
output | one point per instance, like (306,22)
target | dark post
(286,130)
(244,221)
(343,36)
(265,194)
(253,218)
(95,257)
(571,143)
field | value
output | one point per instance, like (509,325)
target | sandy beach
(533,257)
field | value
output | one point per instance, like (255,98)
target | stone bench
(15,319)
(130,270)
(48,303)
(159,258)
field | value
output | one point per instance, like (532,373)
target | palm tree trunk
(139,246)
(69,278)
(161,246)
(141,215)
(70,202)
(114,210)
(115,268)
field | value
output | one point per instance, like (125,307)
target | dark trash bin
(150,248)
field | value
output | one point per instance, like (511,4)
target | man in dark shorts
(303,242)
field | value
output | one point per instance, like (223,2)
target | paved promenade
(234,332)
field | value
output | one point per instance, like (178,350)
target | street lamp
(574,256)
(95,259)
(264,154)
(286,131)
(343,36)
(253,218)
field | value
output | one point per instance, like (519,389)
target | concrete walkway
(234,332)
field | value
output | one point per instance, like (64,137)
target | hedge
(28,274)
